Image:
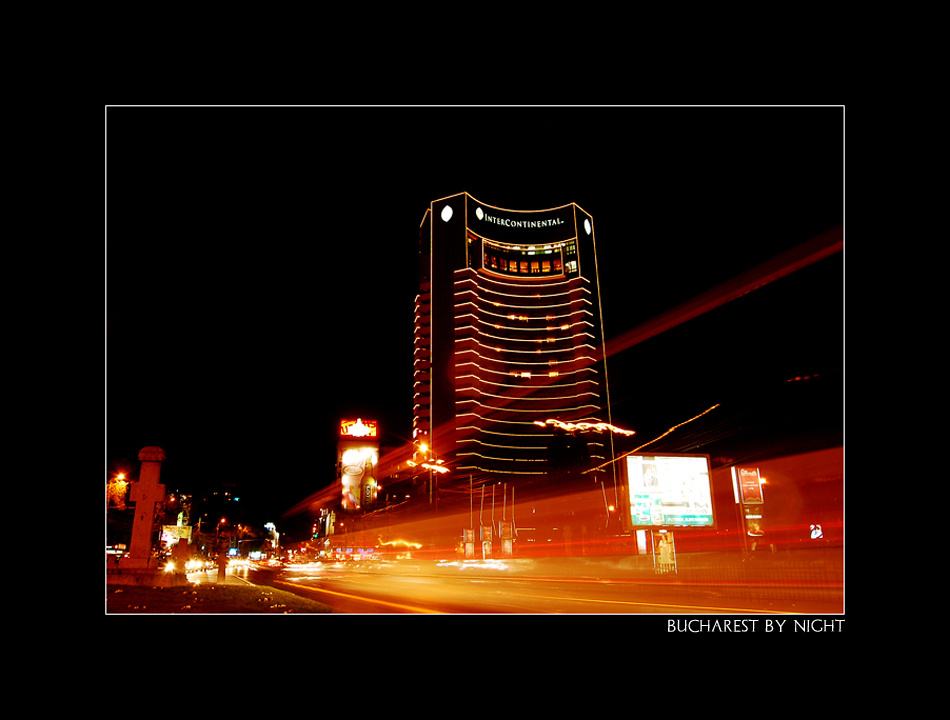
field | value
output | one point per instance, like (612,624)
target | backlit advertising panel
(751,486)
(356,471)
(669,491)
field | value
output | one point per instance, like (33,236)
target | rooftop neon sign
(358,428)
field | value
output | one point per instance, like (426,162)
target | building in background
(508,339)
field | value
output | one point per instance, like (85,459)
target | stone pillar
(138,567)
(147,492)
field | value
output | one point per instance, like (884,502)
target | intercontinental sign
(508,222)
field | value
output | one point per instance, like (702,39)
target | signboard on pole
(668,491)
(750,485)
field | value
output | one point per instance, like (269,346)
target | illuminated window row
(525,313)
(484,281)
(518,368)
(507,338)
(483,296)
(552,339)
(551,360)
(518,328)
(504,434)
(528,398)
(571,285)
(465,322)
(496,421)
(470,273)
(507,303)
(523,332)
(489,457)
(549,363)
(511,426)
(548,265)
(536,397)
(522,328)
(472,381)
(549,317)
(519,310)
(507,409)
(530,374)
(528,352)
(527,375)
(496,471)
(503,447)
(476,278)
(508,248)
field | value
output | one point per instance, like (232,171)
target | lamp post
(433,466)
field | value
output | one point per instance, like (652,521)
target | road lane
(349,603)
(365,591)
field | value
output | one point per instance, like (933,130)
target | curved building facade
(508,338)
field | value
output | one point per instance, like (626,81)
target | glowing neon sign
(358,428)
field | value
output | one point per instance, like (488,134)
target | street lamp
(116,490)
(432,465)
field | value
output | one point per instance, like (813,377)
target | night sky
(260,270)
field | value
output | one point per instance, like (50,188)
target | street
(529,587)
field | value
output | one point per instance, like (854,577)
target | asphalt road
(483,588)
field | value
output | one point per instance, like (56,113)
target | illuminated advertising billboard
(172,534)
(669,491)
(356,469)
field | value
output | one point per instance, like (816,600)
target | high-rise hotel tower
(508,339)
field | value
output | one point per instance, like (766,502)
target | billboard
(173,534)
(357,455)
(672,491)
(356,471)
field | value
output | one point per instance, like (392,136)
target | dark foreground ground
(208,598)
